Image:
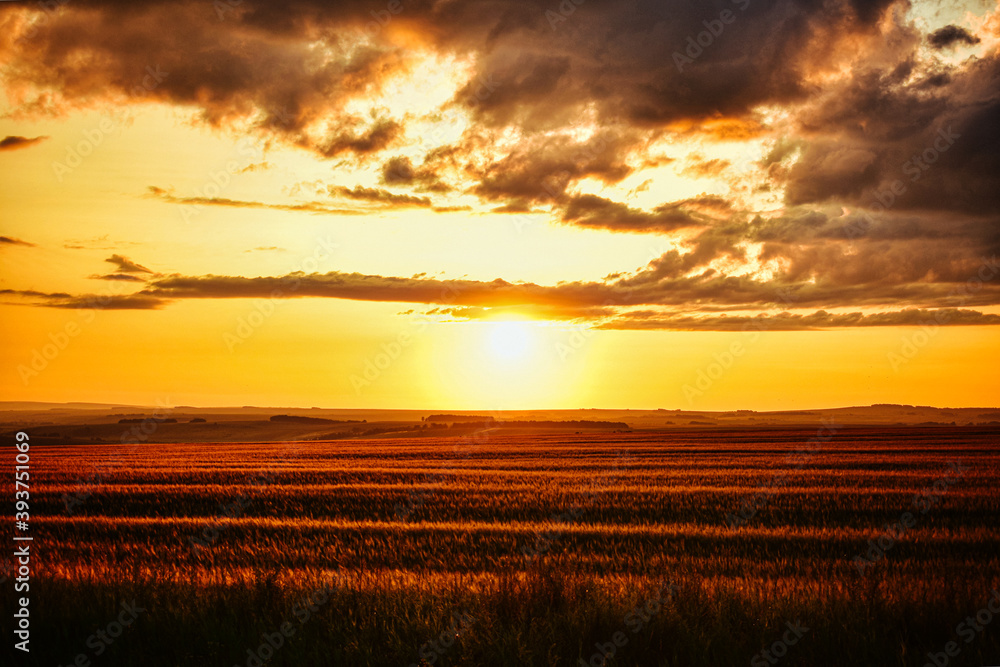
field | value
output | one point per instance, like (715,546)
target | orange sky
(493,207)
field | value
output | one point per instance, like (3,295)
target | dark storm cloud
(181,53)
(259,59)
(830,170)
(543,70)
(937,144)
(886,158)
(834,247)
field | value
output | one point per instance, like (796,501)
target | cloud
(136,301)
(102,242)
(951,35)
(828,170)
(594,211)
(36,294)
(267,74)
(119,277)
(542,168)
(125,265)
(13,142)
(706,168)
(378,196)
(674,281)
(307,207)
(107,302)
(926,129)
(7,240)
(539,312)
(379,136)
(874,186)
(256,166)
(799,322)
(399,170)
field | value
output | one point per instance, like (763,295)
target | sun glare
(509,341)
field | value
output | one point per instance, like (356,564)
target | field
(830,546)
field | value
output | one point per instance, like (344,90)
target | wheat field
(697,548)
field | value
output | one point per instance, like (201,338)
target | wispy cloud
(8,240)
(12,142)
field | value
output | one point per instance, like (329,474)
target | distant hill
(458,418)
(295,419)
(580,423)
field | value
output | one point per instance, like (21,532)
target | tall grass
(329,518)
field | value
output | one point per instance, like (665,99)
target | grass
(409,535)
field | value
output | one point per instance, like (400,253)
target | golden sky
(719,205)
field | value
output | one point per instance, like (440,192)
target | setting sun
(510,341)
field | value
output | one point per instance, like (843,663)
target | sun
(509,341)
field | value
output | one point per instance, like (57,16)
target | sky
(736,204)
